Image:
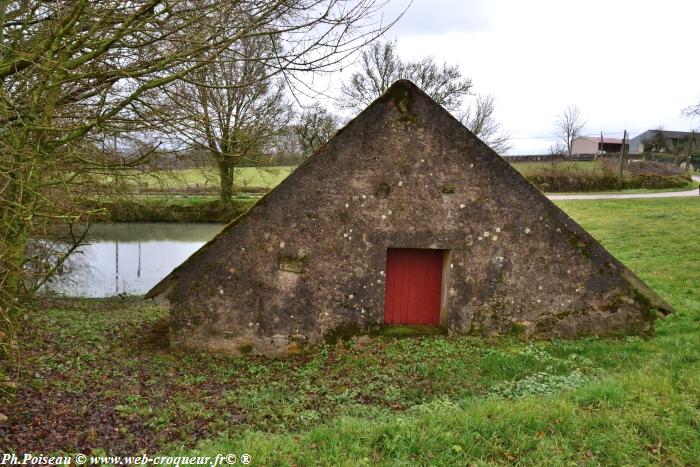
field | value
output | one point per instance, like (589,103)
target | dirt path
(667,194)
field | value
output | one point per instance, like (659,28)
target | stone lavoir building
(403,218)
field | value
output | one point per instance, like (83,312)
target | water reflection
(129,258)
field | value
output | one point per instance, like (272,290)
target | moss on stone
(519,329)
(448,188)
(401,95)
(644,295)
(344,332)
(576,242)
(291,263)
(383,190)
(408,118)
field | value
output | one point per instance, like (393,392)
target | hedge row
(561,178)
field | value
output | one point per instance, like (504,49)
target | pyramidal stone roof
(308,261)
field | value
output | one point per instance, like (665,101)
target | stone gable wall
(308,262)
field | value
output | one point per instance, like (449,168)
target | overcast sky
(627,64)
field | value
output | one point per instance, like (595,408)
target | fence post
(620,180)
(690,152)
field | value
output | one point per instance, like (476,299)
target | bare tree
(479,119)
(380,66)
(232,108)
(557,149)
(568,125)
(314,127)
(76,76)
(692,111)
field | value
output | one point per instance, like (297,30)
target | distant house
(660,141)
(593,145)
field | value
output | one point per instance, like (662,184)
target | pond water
(129,258)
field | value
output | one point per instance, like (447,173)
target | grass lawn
(97,374)
(627,191)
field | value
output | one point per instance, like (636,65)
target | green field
(254,178)
(269,177)
(200,179)
(410,401)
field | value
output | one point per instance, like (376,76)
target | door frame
(444,289)
(447,267)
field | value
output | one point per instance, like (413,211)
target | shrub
(654,181)
(637,167)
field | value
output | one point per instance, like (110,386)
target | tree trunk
(226,173)
(13,244)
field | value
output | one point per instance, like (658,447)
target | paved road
(666,194)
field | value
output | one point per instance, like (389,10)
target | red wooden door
(413,286)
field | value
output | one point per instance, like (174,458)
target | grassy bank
(164,208)
(115,385)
